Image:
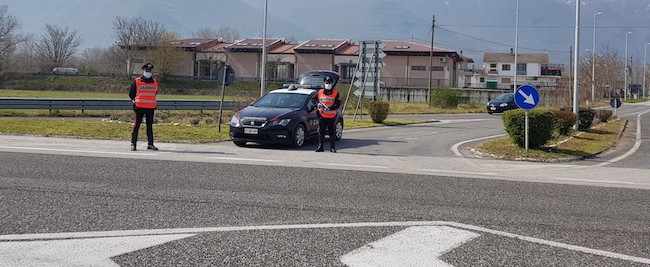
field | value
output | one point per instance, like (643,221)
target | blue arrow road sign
(526,97)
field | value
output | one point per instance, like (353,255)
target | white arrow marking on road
(414,246)
(78,252)
(529,98)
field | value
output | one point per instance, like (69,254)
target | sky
(471,26)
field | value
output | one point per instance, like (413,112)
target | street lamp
(514,86)
(593,60)
(625,70)
(645,55)
(263,67)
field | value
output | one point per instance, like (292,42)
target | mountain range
(471,26)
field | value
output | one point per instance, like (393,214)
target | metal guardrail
(109,104)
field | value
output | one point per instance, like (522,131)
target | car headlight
(503,105)
(281,122)
(234,121)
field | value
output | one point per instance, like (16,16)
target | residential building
(533,69)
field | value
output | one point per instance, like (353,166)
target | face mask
(328,86)
(147,75)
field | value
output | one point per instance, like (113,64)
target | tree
(166,55)
(25,58)
(227,34)
(9,37)
(57,45)
(134,35)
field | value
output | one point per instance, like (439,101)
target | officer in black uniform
(143,93)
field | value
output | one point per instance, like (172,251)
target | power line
(498,43)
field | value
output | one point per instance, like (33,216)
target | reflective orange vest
(145,93)
(327,100)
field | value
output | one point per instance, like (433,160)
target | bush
(378,110)
(564,121)
(585,118)
(541,124)
(445,98)
(603,114)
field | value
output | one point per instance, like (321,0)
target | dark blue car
(503,102)
(283,116)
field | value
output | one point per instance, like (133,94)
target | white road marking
(153,232)
(245,159)
(77,151)
(637,143)
(461,172)
(355,166)
(78,252)
(413,246)
(595,181)
(455,147)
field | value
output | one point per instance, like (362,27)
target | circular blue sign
(526,97)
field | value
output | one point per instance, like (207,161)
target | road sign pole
(526,131)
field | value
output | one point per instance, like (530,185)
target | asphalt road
(389,191)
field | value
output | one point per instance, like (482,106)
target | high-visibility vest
(145,93)
(329,101)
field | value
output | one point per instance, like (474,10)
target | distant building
(407,64)
(533,69)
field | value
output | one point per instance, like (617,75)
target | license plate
(251,131)
(493,108)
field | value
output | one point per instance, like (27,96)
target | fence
(110,104)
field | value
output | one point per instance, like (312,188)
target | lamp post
(645,55)
(263,67)
(514,86)
(625,70)
(576,57)
(593,61)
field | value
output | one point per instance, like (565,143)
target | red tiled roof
(331,46)
(253,43)
(283,49)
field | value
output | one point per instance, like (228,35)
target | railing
(110,104)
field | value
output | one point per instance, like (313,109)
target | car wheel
(339,129)
(239,143)
(299,135)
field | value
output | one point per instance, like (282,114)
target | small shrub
(564,121)
(603,114)
(378,110)
(585,118)
(541,124)
(445,98)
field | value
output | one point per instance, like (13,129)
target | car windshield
(505,97)
(281,100)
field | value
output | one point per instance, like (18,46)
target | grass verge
(577,145)
(193,130)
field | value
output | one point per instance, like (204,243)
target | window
(437,68)
(482,79)
(505,67)
(521,69)
(505,80)
(418,68)
(493,67)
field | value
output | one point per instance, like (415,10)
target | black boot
(332,149)
(133,147)
(320,148)
(152,147)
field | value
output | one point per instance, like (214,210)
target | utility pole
(433,25)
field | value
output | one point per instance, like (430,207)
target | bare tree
(227,34)
(166,55)
(134,35)
(57,45)
(25,57)
(9,37)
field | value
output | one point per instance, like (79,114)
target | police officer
(328,103)
(143,95)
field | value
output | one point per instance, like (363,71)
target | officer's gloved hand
(326,109)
